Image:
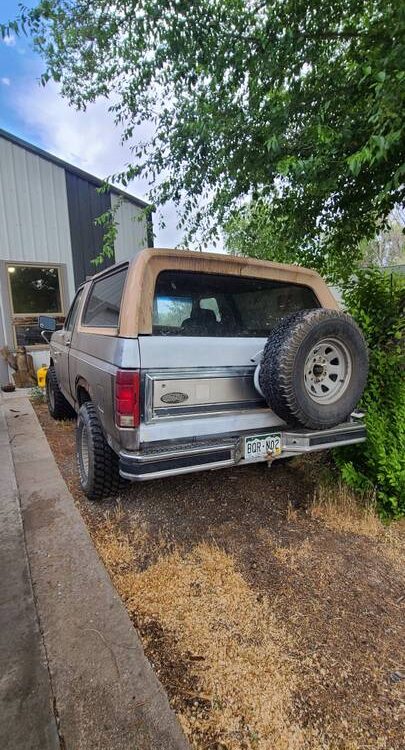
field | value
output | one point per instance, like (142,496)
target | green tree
(387,248)
(293,104)
(256,231)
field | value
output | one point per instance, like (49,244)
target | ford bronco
(180,361)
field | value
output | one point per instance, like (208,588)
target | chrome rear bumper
(183,458)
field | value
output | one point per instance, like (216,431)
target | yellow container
(41,376)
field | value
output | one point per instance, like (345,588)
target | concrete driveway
(73,671)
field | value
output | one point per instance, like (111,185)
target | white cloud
(5,81)
(10,40)
(88,140)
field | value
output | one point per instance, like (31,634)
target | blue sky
(16,65)
(40,115)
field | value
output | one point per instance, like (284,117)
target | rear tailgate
(200,386)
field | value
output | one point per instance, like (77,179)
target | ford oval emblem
(176,397)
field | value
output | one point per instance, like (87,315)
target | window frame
(15,318)
(102,330)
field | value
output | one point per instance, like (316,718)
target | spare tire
(314,368)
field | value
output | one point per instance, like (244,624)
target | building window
(34,290)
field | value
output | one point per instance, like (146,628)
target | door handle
(67,343)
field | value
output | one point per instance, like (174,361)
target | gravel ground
(336,594)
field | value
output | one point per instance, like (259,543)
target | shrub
(376,299)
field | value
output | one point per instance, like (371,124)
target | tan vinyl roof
(137,304)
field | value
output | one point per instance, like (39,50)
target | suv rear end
(166,348)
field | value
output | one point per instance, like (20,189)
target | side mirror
(46,323)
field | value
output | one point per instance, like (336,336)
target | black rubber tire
(58,406)
(281,376)
(102,477)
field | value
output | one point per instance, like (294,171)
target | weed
(37,395)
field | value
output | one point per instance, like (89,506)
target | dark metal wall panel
(85,204)
(150,233)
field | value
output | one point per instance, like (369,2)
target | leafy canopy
(293,104)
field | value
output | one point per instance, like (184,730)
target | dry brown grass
(239,655)
(126,545)
(293,557)
(238,644)
(236,648)
(339,509)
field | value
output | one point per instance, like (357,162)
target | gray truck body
(197,399)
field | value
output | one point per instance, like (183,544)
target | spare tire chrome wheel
(314,368)
(327,371)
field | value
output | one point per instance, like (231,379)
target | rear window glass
(194,304)
(104,302)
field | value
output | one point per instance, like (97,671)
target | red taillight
(127,398)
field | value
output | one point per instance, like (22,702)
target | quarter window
(104,303)
(72,314)
(195,304)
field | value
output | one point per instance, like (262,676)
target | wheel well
(82,395)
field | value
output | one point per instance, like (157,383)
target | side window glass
(72,315)
(104,301)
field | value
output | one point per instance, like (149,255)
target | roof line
(70,167)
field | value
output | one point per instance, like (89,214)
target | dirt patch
(272,620)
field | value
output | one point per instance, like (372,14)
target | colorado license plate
(258,447)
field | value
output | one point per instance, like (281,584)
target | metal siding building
(47,219)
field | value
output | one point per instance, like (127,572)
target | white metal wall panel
(132,233)
(34,222)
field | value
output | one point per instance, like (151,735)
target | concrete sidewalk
(27,717)
(74,674)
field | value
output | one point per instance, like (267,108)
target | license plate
(258,447)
